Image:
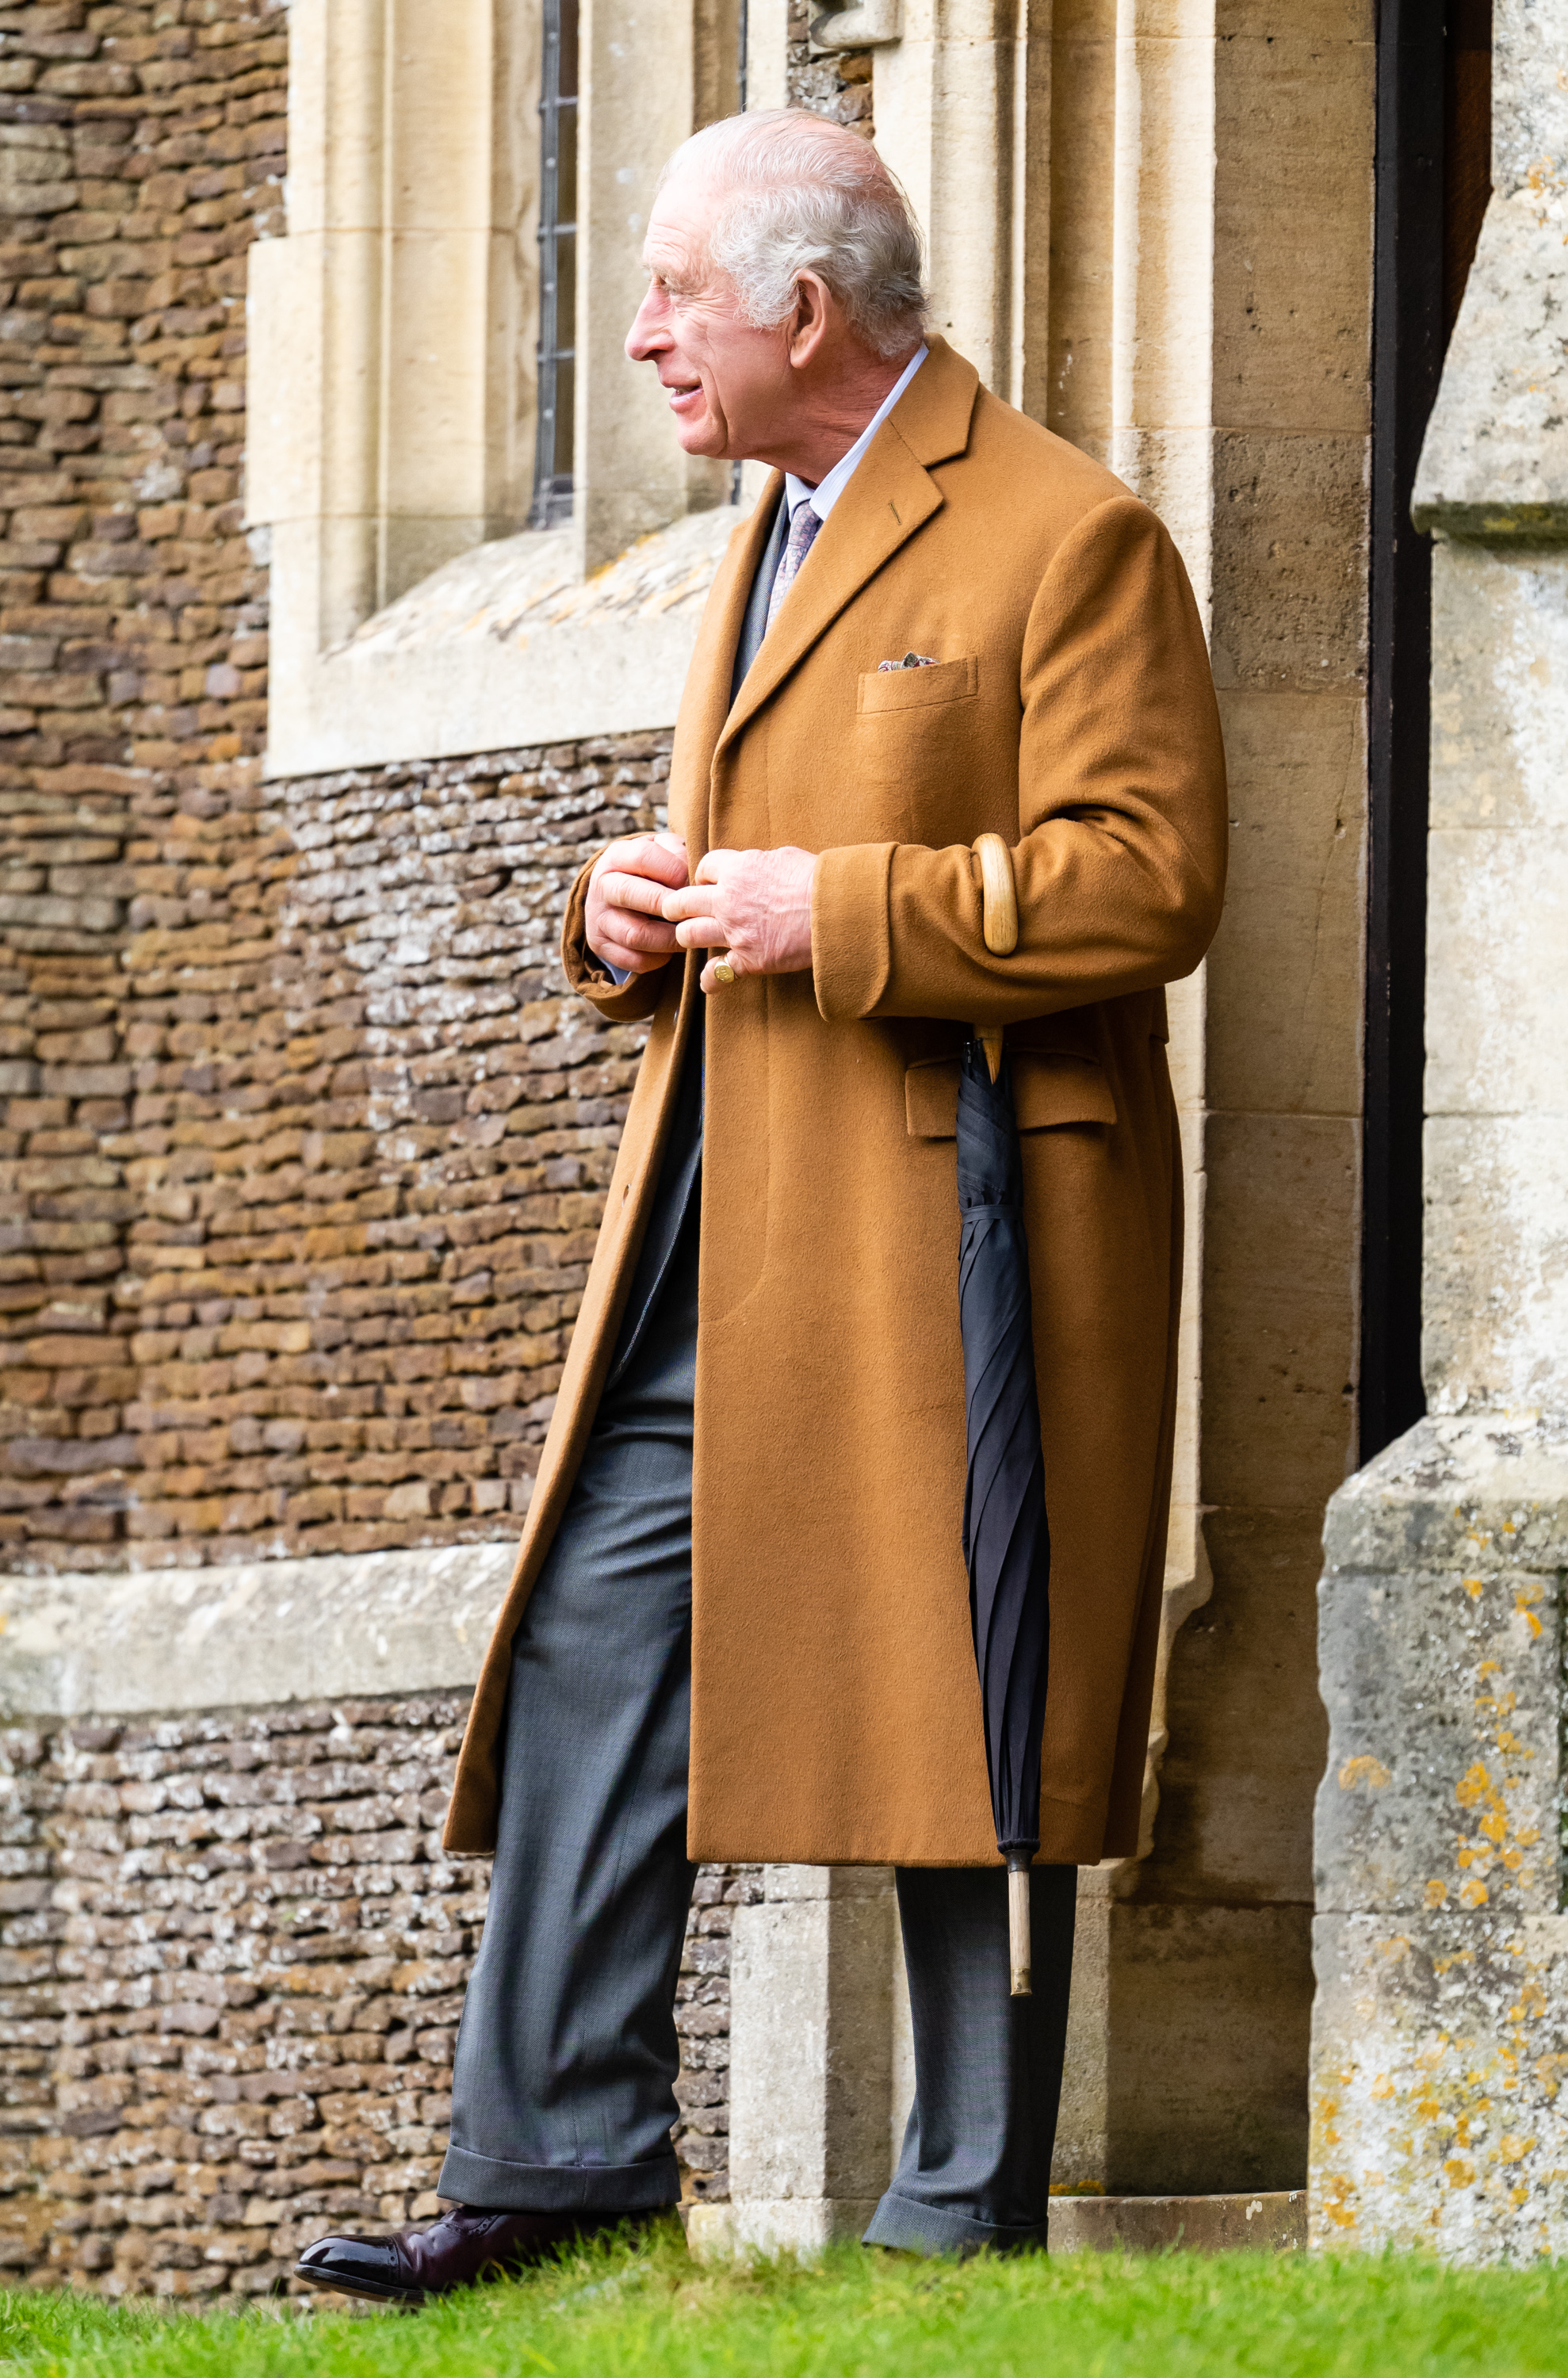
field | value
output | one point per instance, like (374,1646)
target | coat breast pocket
(912,732)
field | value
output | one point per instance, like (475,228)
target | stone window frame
(392,338)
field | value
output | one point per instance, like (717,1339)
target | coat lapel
(890,495)
(707,695)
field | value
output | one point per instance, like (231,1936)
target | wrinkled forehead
(680,226)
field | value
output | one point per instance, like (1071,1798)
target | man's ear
(815,304)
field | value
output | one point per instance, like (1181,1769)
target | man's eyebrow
(680,278)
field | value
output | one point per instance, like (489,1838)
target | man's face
(729,384)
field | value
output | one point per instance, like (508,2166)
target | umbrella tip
(1019,1945)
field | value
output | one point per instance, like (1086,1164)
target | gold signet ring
(722,970)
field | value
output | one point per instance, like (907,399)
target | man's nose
(648,335)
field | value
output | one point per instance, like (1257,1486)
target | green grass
(646,2309)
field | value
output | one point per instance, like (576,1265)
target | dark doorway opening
(1433,176)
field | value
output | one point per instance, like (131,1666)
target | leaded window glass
(558,266)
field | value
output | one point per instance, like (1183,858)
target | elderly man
(739,1624)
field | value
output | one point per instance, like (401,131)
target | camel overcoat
(836,1714)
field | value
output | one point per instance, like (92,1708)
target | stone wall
(834,83)
(292,1259)
(232,1963)
(365,1154)
(141,154)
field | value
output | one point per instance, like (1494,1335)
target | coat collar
(888,498)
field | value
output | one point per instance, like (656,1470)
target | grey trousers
(567,2055)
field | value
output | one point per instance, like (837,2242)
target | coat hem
(712,1844)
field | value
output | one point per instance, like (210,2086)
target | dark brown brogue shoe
(407,2266)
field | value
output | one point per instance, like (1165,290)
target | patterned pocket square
(910,660)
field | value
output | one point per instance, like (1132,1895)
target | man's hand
(624,923)
(755,903)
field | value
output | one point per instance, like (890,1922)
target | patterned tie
(804,526)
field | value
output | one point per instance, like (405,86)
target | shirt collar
(826,494)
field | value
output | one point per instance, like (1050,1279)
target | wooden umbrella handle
(999,923)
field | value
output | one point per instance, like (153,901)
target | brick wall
(140,152)
(299,1276)
(231,1962)
(369,1144)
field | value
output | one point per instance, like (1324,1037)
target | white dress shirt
(828,490)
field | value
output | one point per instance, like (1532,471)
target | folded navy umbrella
(1007,1537)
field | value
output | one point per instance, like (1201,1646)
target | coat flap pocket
(1071,1032)
(917,688)
(1050,1087)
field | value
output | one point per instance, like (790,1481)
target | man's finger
(662,858)
(634,962)
(714,865)
(624,961)
(641,893)
(690,900)
(701,933)
(655,859)
(637,933)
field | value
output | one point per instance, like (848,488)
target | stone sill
(502,647)
(250,1634)
(1271,2221)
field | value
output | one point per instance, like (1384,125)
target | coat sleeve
(1120,861)
(618,1002)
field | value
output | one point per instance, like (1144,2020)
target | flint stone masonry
(834,83)
(340,1207)
(141,154)
(232,1964)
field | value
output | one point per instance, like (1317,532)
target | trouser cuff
(937,2230)
(559,2188)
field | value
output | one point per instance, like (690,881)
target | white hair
(798,194)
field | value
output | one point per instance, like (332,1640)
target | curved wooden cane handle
(999,923)
(999,896)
